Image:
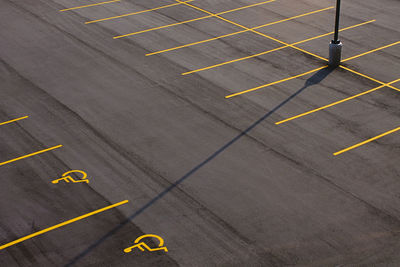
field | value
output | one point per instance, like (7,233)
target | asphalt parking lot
(212,131)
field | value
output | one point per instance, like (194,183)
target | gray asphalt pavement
(214,177)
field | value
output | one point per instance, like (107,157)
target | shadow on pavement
(313,80)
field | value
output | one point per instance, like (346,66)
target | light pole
(335,47)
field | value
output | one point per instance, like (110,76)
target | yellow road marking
(14,120)
(30,155)
(290,78)
(366,142)
(335,103)
(371,51)
(142,245)
(97,4)
(238,32)
(370,78)
(135,13)
(279,41)
(259,33)
(191,20)
(263,86)
(68,178)
(273,83)
(272,50)
(62,224)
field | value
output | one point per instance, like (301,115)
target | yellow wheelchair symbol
(143,246)
(65,177)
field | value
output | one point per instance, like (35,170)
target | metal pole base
(335,54)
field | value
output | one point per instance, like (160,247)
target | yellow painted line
(272,50)
(371,51)
(256,32)
(366,142)
(335,103)
(30,155)
(370,78)
(97,4)
(277,82)
(135,13)
(14,120)
(62,224)
(235,33)
(290,45)
(279,41)
(191,20)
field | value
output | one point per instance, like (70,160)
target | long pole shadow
(313,80)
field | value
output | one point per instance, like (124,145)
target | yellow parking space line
(366,142)
(370,78)
(277,40)
(238,32)
(335,103)
(371,51)
(135,13)
(256,32)
(272,50)
(14,120)
(30,155)
(62,224)
(191,20)
(97,4)
(277,82)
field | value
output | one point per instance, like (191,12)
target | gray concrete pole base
(335,54)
